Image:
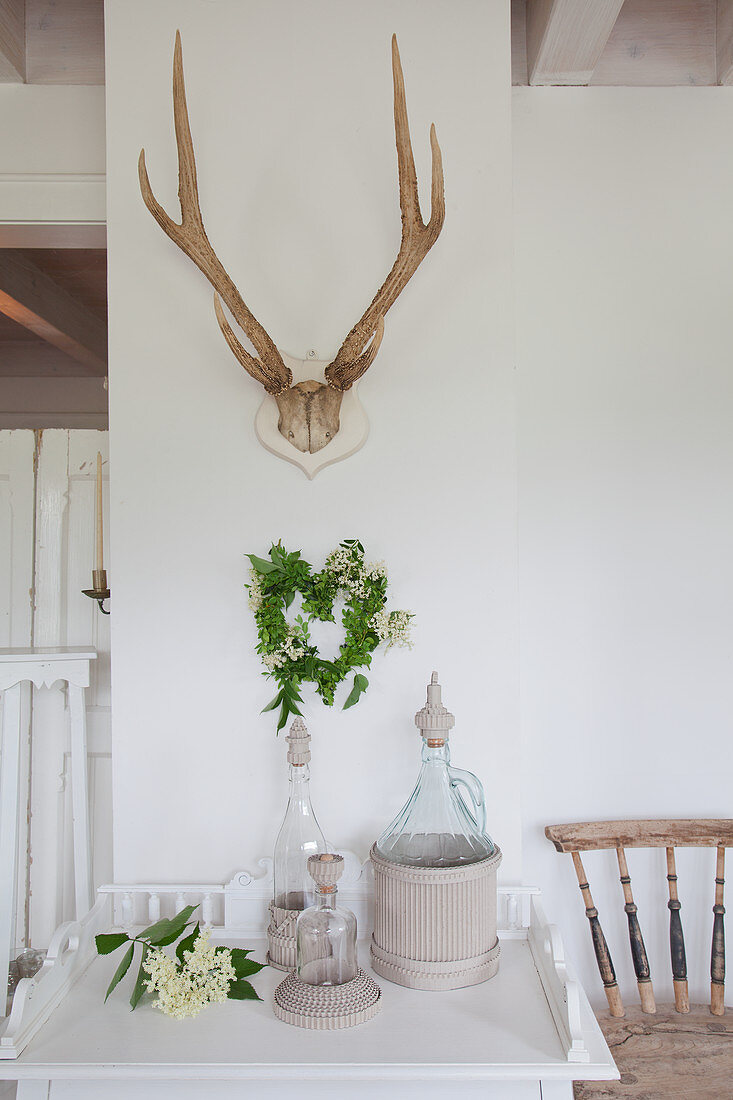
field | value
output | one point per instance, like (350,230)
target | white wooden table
(527,1033)
(42,667)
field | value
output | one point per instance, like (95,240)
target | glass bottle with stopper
(326,933)
(437,827)
(300,836)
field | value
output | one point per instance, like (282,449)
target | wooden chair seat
(666,1055)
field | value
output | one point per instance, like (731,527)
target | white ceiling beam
(12,41)
(724,41)
(32,299)
(565,38)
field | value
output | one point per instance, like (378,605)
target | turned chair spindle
(676,939)
(600,947)
(717,956)
(638,950)
(668,834)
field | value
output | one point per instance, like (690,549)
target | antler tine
(352,361)
(191,238)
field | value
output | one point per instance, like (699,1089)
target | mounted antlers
(309,411)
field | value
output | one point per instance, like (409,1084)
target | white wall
(622,240)
(624,286)
(291,113)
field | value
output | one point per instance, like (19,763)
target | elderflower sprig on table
(287,650)
(200,974)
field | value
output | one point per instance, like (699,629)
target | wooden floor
(666,1056)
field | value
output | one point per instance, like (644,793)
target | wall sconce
(99,590)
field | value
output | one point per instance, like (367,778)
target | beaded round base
(327,1007)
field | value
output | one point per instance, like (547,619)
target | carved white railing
(239,908)
(561,987)
(71,951)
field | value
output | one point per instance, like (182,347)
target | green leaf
(261,565)
(110,942)
(187,944)
(244,967)
(274,703)
(242,991)
(360,685)
(166,931)
(142,978)
(239,954)
(120,971)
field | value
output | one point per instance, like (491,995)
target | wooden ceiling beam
(565,38)
(12,41)
(724,41)
(30,297)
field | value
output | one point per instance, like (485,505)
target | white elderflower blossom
(347,566)
(393,627)
(203,979)
(255,591)
(375,570)
(291,649)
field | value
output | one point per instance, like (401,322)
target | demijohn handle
(460,778)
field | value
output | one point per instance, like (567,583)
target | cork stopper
(298,740)
(434,721)
(326,870)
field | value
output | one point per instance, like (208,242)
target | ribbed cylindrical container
(281,945)
(435,927)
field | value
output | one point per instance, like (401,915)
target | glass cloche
(326,933)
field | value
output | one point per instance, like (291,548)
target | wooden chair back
(591,836)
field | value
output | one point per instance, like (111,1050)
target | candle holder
(100,592)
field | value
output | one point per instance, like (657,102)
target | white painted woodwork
(64,559)
(31,298)
(528,1028)
(565,38)
(43,667)
(51,502)
(65,42)
(12,41)
(657,44)
(10,799)
(57,179)
(16,536)
(724,41)
(17,497)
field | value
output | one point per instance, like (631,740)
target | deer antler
(190,236)
(352,361)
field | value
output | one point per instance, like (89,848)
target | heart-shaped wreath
(286,648)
